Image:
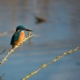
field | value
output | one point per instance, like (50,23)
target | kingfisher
(18,36)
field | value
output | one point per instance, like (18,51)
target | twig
(3,51)
(12,50)
(2,76)
(50,62)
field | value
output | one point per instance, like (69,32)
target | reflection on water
(60,32)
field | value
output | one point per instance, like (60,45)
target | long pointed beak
(28,30)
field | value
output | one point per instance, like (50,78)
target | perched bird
(18,36)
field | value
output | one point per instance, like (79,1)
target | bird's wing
(14,37)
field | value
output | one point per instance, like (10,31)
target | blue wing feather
(15,37)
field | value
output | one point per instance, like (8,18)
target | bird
(18,36)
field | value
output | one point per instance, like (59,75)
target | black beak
(28,30)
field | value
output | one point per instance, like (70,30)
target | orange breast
(20,39)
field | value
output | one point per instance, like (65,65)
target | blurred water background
(59,33)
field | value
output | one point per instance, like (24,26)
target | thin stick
(50,62)
(12,50)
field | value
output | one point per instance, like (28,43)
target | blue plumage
(15,36)
(20,27)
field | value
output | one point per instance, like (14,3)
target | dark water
(60,32)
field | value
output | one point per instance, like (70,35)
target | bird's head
(22,28)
